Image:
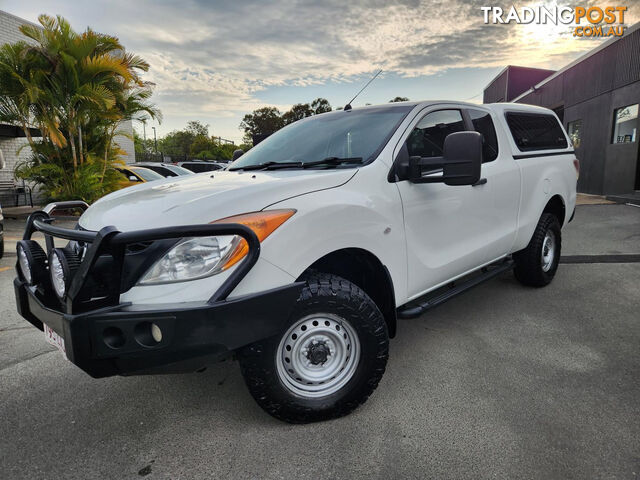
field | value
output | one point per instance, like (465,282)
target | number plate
(54,339)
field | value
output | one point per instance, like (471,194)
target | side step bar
(414,309)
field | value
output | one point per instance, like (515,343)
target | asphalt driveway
(501,382)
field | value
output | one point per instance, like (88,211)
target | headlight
(199,257)
(31,261)
(190,259)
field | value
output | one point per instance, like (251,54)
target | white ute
(343,222)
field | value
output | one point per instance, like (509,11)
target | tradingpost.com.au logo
(584,21)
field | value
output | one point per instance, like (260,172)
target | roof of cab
(497,107)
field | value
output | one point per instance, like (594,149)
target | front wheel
(327,361)
(536,265)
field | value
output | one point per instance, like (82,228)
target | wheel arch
(556,206)
(365,270)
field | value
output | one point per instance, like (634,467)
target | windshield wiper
(325,162)
(269,166)
(333,161)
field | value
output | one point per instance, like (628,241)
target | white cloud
(215,58)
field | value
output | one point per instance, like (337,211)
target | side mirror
(462,158)
(461,161)
(237,154)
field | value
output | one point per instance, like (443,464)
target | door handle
(482,181)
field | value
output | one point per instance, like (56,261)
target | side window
(132,177)
(536,131)
(427,138)
(574,129)
(625,124)
(483,124)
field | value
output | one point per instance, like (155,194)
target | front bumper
(193,334)
(105,337)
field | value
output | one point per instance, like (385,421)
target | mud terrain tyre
(327,360)
(536,265)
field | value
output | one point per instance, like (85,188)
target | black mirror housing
(462,155)
(461,162)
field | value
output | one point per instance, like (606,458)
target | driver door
(447,228)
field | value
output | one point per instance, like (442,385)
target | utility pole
(144,135)
(155,140)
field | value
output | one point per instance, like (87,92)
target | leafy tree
(197,128)
(76,89)
(194,141)
(141,145)
(177,142)
(201,143)
(320,105)
(399,99)
(267,120)
(263,121)
(297,112)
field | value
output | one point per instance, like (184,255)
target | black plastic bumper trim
(191,332)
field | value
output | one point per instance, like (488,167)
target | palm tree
(131,104)
(76,88)
(17,73)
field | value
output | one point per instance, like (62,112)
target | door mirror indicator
(460,164)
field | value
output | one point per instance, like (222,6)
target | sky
(215,61)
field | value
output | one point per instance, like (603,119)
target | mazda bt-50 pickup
(301,256)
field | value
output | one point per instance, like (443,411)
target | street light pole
(155,140)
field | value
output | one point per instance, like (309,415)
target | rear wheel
(536,265)
(328,359)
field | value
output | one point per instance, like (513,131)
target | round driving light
(156,333)
(147,334)
(57,275)
(25,268)
(62,266)
(31,261)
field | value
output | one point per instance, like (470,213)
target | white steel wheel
(548,252)
(536,264)
(318,355)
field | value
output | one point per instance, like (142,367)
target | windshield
(178,170)
(342,134)
(146,174)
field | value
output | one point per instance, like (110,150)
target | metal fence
(164,158)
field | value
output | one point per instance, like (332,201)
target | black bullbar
(105,337)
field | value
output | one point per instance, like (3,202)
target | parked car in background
(136,175)
(199,166)
(165,169)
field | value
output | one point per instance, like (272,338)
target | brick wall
(11,147)
(13,154)
(126,144)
